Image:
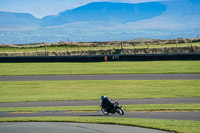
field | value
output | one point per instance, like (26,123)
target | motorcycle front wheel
(120,111)
(104,111)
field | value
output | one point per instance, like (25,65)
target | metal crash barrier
(102,58)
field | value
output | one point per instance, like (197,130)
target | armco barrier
(159,57)
(101,58)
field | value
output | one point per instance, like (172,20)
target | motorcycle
(116,109)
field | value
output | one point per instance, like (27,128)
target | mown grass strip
(142,67)
(27,91)
(137,107)
(179,126)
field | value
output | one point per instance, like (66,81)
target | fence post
(24,50)
(176,46)
(45,49)
(121,45)
(148,47)
(67,47)
(162,47)
(134,48)
(4,50)
(78,47)
(191,46)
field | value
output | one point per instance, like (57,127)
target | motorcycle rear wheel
(120,111)
(104,111)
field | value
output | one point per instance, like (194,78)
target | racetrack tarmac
(101,77)
(153,115)
(97,102)
(61,127)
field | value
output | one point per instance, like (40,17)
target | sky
(41,8)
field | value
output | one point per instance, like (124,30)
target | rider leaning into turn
(107,103)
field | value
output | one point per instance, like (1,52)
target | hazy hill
(108,12)
(106,21)
(18,21)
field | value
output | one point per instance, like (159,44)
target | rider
(107,103)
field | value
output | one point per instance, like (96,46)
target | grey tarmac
(102,77)
(195,115)
(61,127)
(97,102)
(154,115)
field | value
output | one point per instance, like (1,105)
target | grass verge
(27,91)
(146,67)
(179,126)
(137,107)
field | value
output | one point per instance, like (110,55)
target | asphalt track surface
(102,77)
(58,127)
(154,115)
(195,116)
(97,102)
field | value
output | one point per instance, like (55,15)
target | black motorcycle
(116,109)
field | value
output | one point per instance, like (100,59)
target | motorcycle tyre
(121,111)
(104,111)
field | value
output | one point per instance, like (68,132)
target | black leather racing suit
(107,104)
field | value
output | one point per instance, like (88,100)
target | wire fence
(98,48)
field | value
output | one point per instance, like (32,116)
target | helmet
(102,97)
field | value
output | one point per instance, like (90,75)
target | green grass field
(100,68)
(24,91)
(137,107)
(178,126)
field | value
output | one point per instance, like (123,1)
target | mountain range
(118,13)
(107,12)
(102,21)
(17,21)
